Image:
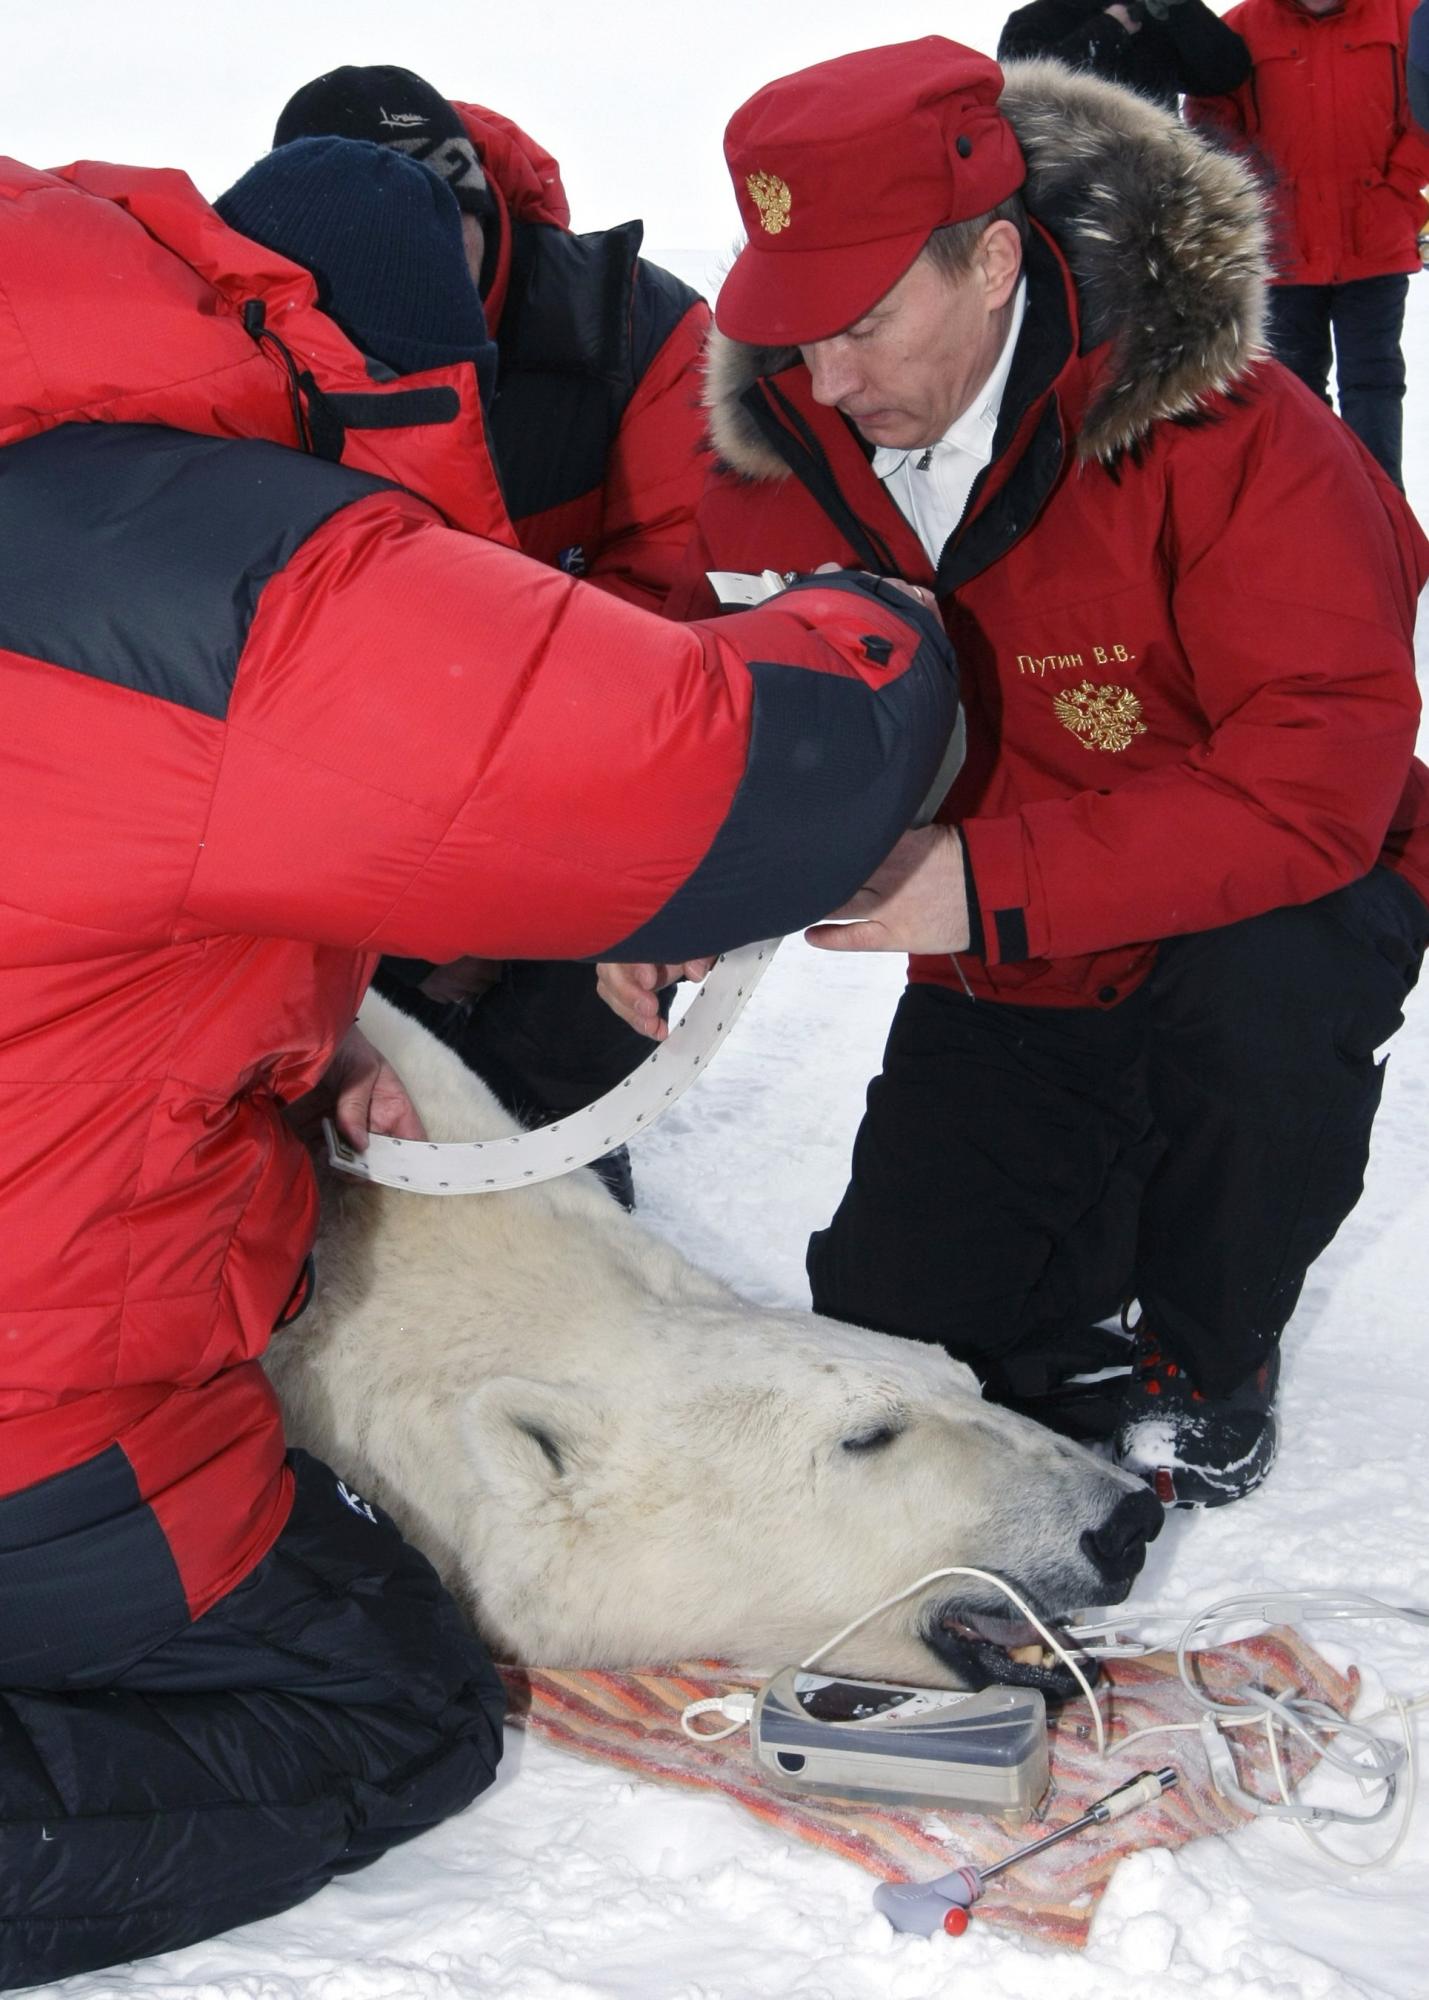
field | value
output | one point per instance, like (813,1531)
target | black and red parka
(280,695)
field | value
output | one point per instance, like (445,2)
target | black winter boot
(1195,1450)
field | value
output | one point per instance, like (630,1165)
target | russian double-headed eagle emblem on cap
(771,197)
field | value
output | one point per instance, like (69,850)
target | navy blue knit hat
(383,238)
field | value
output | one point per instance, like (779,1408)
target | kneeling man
(1004,340)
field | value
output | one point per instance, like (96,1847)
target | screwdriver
(945,1904)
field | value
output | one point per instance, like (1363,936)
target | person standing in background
(1326,109)
(1162,48)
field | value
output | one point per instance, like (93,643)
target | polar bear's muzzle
(982,1651)
(981,1645)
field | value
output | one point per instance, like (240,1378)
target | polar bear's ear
(530,1440)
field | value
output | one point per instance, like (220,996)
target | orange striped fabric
(632,1720)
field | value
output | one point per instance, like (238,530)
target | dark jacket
(1191,50)
(270,712)
(597,425)
(1182,596)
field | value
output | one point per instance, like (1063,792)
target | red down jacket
(1326,111)
(1185,647)
(269,714)
(598,425)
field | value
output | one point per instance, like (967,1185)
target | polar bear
(614,1460)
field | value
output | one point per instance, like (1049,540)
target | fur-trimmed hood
(1166,239)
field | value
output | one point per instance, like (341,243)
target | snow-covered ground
(567,1881)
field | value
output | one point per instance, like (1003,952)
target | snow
(567,1881)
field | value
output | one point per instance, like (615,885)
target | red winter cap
(842,173)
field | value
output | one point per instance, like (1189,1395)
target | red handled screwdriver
(945,1904)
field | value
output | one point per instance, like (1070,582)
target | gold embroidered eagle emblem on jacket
(772,198)
(1101,718)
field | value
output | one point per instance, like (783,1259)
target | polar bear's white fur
(614,1460)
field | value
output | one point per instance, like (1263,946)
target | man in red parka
(280,695)
(598,437)
(1326,112)
(1176,897)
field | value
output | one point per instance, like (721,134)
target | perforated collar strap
(487,1166)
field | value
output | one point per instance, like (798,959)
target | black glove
(1157,10)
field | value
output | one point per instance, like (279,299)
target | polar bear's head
(766,1478)
(617,1461)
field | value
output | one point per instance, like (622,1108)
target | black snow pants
(1022,1172)
(332,1705)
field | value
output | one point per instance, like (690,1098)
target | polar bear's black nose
(1118,1546)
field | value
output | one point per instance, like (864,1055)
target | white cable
(1370,1760)
(983,1576)
(1411,1790)
(737,1707)
(1178,1728)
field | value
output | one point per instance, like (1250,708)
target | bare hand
(361,1092)
(914,901)
(1126,19)
(632,990)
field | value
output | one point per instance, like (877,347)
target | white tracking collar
(487,1166)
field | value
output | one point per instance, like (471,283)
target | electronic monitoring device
(973,1752)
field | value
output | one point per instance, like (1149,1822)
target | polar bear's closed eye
(878,1438)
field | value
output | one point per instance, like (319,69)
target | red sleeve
(436,746)
(656,471)
(1225,119)
(1295,572)
(690,594)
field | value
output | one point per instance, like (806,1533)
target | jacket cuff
(995,865)
(975,944)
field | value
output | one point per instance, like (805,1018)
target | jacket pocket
(1384,224)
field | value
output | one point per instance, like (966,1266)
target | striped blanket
(633,1720)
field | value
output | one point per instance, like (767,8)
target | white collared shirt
(930,486)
